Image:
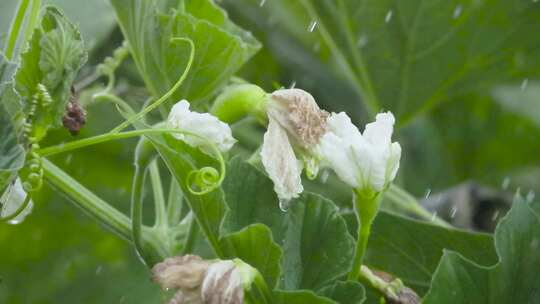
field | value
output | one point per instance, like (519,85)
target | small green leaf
(255,246)
(221,48)
(53,58)
(344,292)
(515,279)
(316,244)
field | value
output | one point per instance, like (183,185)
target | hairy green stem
(159,198)
(175,204)
(191,237)
(366,208)
(62,148)
(167,95)
(32,19)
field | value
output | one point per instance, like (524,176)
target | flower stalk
(366,206)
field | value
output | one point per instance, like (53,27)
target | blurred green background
(484,127)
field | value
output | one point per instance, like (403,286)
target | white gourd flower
(295,124)
(202,124)
(223,284)
(367,162)
(12,200)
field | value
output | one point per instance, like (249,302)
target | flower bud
(223,284)
(202,124)
(12,199)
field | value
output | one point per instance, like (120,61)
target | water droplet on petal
(524,84)
(284,204)
(457,11)
(388,16)
(312,26)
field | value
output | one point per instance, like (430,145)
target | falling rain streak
(457,12)
(388,16)
(524,84)
(312,26)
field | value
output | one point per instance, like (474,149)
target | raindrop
(524,84)
(324,176)
(453,212)
(312,26)
(284,204)
(434,216)
(293,85)
(261,4)
(362,41)
(457,11)
(495,215)
(69,158)
(530,196)
(505,183)
(98,270)
(388,16)
(428,192)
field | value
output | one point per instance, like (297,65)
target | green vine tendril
(166,96)
(34,179)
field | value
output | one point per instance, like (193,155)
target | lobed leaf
(514,279)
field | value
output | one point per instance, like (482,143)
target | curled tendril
(111,63)
(206,179)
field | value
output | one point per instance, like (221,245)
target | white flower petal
(280,163)
(202,124)
(364,161)
(393,162)
(379,132)
(337,155)
(12,199)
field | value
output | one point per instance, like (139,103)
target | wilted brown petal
(223,284)
(182,272)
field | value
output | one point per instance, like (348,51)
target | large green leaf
(316,244)
(255,246)
(299,297)
(409,56)
(11,152)
(182,159)
(53,58)
(411,249)
(515,279)
(221,48)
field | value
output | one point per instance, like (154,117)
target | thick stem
(366,208)
(94,206)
